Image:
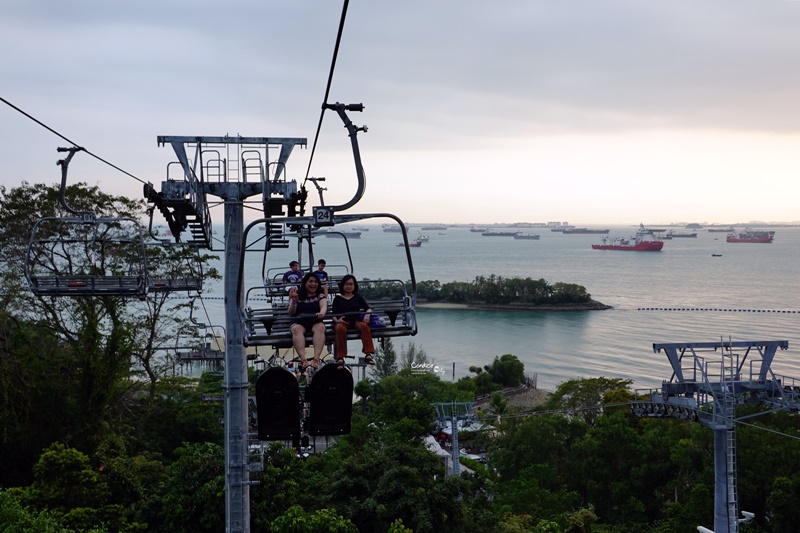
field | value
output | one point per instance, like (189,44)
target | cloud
(439,79)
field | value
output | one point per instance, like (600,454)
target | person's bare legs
(318,334)
(299,343)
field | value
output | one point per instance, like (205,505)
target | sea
(699,289)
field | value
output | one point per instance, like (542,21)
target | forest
(100,433)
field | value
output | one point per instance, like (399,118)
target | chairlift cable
(42,124)
(328,87)
(205,310)
(488,417)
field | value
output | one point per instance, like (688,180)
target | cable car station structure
(709,380)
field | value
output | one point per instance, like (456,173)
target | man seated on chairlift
(322,275)
(293,276)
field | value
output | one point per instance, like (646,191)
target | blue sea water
(751,292)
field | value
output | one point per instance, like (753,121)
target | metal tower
(233,169)
(453,412)
(709,379)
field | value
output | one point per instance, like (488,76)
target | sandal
(368,359)
(339,362)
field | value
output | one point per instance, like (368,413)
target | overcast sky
(587,111)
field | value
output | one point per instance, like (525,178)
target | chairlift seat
(271,326)
(87,285)
(74,256)
(175,284)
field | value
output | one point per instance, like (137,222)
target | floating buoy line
(711,310)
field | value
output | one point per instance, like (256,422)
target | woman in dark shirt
(347,308)
(308,307)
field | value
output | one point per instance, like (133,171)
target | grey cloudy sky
(604,111)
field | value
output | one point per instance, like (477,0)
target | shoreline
(587,306)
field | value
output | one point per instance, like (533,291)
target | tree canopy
(96,434)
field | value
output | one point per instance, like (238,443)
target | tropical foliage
(497,290)
(90,443)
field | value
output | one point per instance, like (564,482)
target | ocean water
(681,294)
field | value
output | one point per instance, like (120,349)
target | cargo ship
(499,233)
(585,231)
(340,234)
(643,241)
(751,236)
(681,234)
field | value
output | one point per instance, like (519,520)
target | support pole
(455,447)
(721,481)
(237,479)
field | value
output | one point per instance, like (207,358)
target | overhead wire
(48,128)
(327,87)
(571,410)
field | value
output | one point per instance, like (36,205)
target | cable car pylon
(709,379)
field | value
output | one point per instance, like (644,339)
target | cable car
(172,265)
(325,404)
(267,320)
(266,305)
(182,268)
(210,347)
(69,256)
(85,255)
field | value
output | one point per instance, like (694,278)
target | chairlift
(85,255)
(209,347)
(266,306)
(172,266)
(266,315)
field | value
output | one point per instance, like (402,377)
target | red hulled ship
(643,241)
(751,236)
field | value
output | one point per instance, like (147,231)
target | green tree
(429,290)
(607,469)
(407,397)
(282,485)
(66,484)
(67,368)
(385,359)
(537,491)
(296,520)
(36,401)
(363,390)
(14,517)
(783,505)
(378,475)
(192,497)
(584,398)
(506,370)
(554,435)
(412,357)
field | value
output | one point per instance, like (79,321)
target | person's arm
(323,307)
(293,303)
(367,309)
(335,309)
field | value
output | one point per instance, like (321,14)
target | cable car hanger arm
(353,133)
